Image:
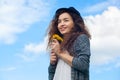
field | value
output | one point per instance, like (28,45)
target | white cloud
(32,50)
(8,69)
(105,42)
(36,48)
(16,16)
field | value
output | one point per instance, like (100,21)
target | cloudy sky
(23,26)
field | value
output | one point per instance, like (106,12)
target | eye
(59,21)
(66,20)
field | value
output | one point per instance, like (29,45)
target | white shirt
(63,71)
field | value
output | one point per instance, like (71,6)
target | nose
(61,23)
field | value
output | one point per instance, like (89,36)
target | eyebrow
(63,18)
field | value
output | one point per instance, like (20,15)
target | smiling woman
(72,55)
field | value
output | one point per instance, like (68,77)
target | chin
(64,32)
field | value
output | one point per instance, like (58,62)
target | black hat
(70,9)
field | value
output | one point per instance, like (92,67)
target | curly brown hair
(78,29)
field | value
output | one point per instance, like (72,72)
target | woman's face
(65,23)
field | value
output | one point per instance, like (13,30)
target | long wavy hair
(78,29)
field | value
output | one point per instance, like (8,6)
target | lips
(62,29)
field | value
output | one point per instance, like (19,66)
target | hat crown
(69,10)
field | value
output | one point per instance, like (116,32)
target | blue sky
(23,26)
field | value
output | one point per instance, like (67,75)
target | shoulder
(82,38)
(81,42)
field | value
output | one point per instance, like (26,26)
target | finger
(54,41)
(52,62)
(53,54)
(53,59)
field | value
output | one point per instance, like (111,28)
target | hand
(53,58)
(55,46)
(56,52)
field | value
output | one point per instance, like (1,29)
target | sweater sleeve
(82,51)
(51,71)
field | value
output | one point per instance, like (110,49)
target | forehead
(65,15)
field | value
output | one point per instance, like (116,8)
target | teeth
(62,29)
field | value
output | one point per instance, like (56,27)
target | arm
(51,71)
(82,50)
(52,66)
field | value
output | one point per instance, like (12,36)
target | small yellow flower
(56,36)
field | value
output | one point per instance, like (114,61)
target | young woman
(70,57)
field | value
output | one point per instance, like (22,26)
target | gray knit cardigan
(81,60)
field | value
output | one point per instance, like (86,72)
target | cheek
(70,28)
(72,25)
(58,28)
